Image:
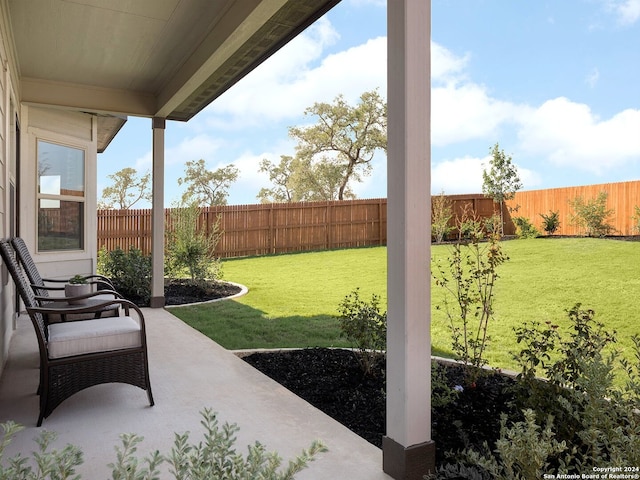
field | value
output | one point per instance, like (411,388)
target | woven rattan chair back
(24,290)
(25,259)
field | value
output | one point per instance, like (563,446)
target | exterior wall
(7,178)
(76,130)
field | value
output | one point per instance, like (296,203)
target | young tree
(353,134)
(441,214)
(207,187)
(127,189)
(501,182)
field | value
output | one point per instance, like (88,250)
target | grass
(293,298)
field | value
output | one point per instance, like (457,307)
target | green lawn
(292,298)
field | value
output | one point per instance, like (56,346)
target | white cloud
(292,80)
(627,11)
(459,175)
(376,3)
(570,134)
(593,77)
(466,111)
(445,65)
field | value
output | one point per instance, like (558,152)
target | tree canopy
(298,179)
(207,187)
(353,134)
(127,189)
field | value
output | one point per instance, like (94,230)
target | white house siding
(76,130)
(6,175)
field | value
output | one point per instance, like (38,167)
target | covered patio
(189,372)
(72,73)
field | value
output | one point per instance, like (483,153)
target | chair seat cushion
(91,336)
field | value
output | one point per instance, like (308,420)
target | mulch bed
(332,381)
(181,291)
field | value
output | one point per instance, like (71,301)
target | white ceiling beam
(87,98)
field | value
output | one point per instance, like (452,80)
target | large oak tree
(344,135)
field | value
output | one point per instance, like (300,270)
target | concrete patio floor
(189,372)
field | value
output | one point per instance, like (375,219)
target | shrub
(51,464)
(588,422)
(635,218)
(214,458)
(470,279)
(592,216)
(550,222)
(441,214)
(190,248)
(365,327)
(130,273)
(524,228)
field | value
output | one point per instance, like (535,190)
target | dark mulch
(181,291)
(333,382)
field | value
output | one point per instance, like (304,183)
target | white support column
(408,451)
(157,215)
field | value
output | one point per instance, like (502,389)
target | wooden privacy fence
(263,228)
(622,197)
(293,227)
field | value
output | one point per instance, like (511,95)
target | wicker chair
(38,283)
(78,355)
(41,289)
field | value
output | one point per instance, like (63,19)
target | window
(61,197)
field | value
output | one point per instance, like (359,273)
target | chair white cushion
(90,336)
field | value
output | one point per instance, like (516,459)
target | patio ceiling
(151,58)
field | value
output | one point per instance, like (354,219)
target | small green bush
(441,214)
(130,273)
(588,422)
(524,228)
(592,216)
(213,458)
(190,248)
(550,222)
(635,218)
(365,327)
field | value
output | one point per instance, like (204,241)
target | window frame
(81,200)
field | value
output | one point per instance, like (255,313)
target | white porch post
(408,451)
(157,215)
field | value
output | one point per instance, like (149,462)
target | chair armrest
(73,309)
(45,287)
(80,297)
(92,279)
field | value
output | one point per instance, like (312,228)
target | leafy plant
(470,279)
(635,218)
(213,458)
(130,272)
(575,419)
(441,393)
(78,280)
(524,228)
(363,324)
(550,222)
(598,419)
(592,215)
(441,214)
(191,248)
(49,464)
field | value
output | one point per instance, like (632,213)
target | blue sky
(556,83)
